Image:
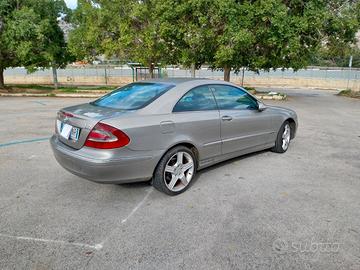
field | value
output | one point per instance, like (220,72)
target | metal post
(133,75)
(106,81)
(350,66)
(242,78)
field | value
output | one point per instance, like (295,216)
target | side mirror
(261,106)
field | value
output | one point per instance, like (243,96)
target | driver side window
(232,98)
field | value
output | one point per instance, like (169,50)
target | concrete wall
(78,80)
(303,82)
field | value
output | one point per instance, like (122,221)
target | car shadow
(232,160)
(144,184)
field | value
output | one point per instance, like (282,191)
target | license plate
(68,131)
(74,133)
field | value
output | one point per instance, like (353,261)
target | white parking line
(96,247)
(138,205)
(130,214)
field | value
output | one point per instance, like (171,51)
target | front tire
(283,138)
(175,171)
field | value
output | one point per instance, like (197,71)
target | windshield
(133,96)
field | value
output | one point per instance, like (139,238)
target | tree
(126,29)
(30,35)
(227,34)
(54,49)
(234,40)
(89,36)
(191,32)
(340,30)
(278,33)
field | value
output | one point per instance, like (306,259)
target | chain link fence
(322,77)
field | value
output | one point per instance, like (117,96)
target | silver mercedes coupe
(166,130)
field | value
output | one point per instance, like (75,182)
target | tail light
(103,136)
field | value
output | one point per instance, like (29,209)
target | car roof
(178,81)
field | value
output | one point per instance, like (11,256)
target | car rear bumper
(105,170)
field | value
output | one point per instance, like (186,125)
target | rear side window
(197,99)
(133,96)
(232,98)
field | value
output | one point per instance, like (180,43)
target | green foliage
(339,43)
(192,34)
(227,34)
(30,35)
(349,93)
(281,34)
(126,29)
(85,41)
(329,58)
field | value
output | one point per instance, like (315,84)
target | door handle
(226,118)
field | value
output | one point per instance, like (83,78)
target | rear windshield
(133,96)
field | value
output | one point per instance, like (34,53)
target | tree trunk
(193,70)
(242,78)
(227,74)
(151,70)
(105,75)
(2,85)
(55,77)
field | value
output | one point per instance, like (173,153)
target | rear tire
(175,171)
(283,138)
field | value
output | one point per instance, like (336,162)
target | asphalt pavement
(298,210)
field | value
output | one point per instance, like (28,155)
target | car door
(243,126)
(197,117)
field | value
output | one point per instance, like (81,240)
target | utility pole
(106,77)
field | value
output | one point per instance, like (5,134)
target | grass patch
(49,88)
(68,90)
(349,93)
(31,86)
(95,87)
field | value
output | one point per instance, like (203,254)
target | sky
(71,3)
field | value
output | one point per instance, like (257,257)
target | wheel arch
(187,144)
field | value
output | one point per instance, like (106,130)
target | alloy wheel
(286,137)
(179,171)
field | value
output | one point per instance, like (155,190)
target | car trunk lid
(73,124)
